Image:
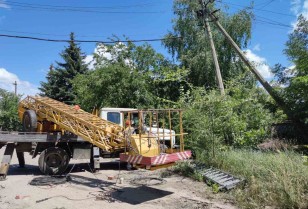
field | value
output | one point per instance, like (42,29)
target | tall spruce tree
(59,80)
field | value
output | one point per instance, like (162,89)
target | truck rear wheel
(53,161)
(29,121)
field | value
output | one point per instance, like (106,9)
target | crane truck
(58,132)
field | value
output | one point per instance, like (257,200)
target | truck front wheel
(53,161)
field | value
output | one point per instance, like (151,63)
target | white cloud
(23,87)
(101,51)
(299,7)
(257,47)
(89,59)
(4,5)
(296,6)
(260,64)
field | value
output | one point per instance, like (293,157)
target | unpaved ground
(28,188)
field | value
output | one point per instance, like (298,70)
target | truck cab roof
(117,109)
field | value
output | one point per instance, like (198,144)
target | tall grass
(279,180)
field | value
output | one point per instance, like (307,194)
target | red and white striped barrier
(156,160)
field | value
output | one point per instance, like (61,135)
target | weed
(273,179)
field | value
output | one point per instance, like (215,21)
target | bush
(212,120)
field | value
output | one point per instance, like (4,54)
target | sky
(28,61)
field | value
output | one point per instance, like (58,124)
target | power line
(265,4)
(272,25)
(273,22)
(265,20)
(86,41)
(83,36)
(83,7)
(263,10)
(54,8)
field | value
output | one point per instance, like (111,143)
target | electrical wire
(42,200)
(53,8)
(84,7)
(263,10)
(66,35)
(273,22)
(86,41)
(265,4)
(265,20)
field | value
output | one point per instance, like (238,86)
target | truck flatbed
(12,137)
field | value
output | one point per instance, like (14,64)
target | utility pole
(280,102)
(20,155)
(15,84)
(204,15)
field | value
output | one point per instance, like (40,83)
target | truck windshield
(113,117)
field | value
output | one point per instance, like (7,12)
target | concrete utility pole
(205,20)
(15,84)
(263,82)
(217,68)
(280,102)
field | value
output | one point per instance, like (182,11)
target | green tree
(193,51)
(59,80)
(295,80)
(112,86)
(130,76)
(9,120)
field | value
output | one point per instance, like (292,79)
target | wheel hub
(54,160)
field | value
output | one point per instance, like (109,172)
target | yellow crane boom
(102,133)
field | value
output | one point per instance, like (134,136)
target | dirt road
(28,188)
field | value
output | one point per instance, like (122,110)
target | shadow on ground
(138,195)
(131,195)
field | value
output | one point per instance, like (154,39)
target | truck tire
(53,161)
(29,121)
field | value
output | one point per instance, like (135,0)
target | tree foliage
(295,80)
(193,51)
(130,76)
(59,80)
(9,120)
(212,120)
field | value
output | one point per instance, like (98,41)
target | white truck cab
(115,115)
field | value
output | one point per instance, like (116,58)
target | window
(113,117)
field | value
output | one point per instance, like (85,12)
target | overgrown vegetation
(133,76)
(279,179)
(238,119)
(295,79)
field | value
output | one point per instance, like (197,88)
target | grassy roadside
(278,180)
